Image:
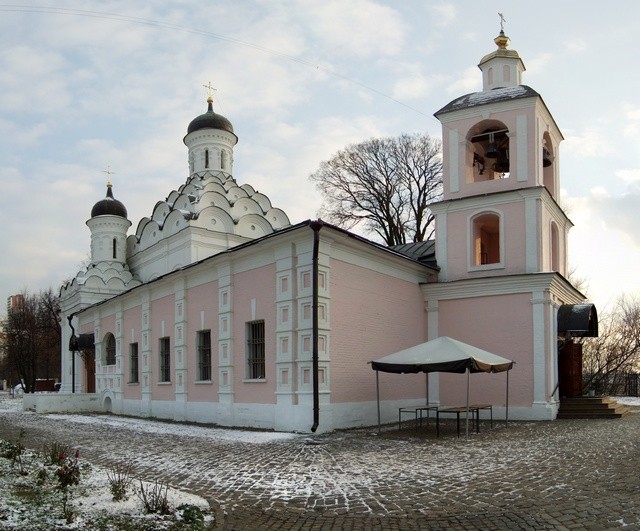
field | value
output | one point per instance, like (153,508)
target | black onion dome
(210,120)
(109,206)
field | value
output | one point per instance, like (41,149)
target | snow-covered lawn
(31,498)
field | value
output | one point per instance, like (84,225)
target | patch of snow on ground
(161,428)
(627,400)
(166,428)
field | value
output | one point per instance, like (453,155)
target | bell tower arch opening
(548,165)
(487,152)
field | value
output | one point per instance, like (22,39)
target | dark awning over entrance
(580,320)
(82,342)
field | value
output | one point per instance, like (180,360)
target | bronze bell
(492,151)
(547,159)
(502,162)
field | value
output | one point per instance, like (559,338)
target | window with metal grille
(255,350)
(110,358)
(204,355)
(133,363)
(165,360)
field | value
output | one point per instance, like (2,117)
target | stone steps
(600,407)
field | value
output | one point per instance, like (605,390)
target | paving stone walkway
(570,474)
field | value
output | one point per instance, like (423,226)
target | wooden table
(474,409)
(417,412)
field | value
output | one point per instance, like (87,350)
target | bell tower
(500,213)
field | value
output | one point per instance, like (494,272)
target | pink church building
(218,310)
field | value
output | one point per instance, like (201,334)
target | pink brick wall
(501,324)
(132,319)
(162,309)
(372,315)
(258,284)
(203,298)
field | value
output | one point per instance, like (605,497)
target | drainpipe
(315,227)
(73,344)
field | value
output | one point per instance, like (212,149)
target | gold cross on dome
(210,90)
(502,21)
(109,174)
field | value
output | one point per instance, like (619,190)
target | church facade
(219,310)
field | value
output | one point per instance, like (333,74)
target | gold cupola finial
(502,41)
(210,91)
(109,174)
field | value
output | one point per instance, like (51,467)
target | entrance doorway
(90,372)
(570,370)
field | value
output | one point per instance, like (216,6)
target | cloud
(471,81)
(591,143)
(604,239)
(360,28)
(445,14)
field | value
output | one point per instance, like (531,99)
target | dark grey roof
(490,96)
(424,252)
(580,320)
(109,206)
(210,120)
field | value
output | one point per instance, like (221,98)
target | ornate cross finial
(109,174)
(210,91)
(502,21)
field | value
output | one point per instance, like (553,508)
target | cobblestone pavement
(570,474)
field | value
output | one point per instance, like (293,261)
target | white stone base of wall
(283,416)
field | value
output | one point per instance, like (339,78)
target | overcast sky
(87,86)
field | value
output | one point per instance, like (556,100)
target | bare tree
(385,184)
(608,358)
(33,336)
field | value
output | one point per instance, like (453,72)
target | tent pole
(427,388)
(378,400)
(506,415)
(467,415)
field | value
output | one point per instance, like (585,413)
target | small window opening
(110,347)
(114,248)
(204,355)
(486,239)
(206,158)
(255,350)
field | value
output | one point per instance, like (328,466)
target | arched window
(109,350)
(486,239)
(555,248)
(506,74)
(114,248)
(488,152)
(206,158)
(548,166)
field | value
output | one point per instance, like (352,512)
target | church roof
(490,96)
(424,252)
(210,120)
(109,206)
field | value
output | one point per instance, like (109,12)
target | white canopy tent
(443,354)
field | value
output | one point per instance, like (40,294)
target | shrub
(191,514)
(154,497)
(119,476)
(54,453)
(68,474)
(14,451)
